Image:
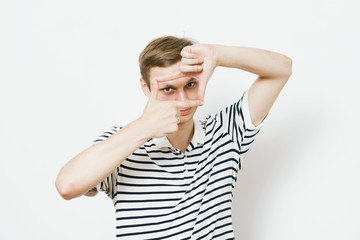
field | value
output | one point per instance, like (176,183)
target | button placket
(187,175)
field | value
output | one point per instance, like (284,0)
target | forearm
(94,164)
(264,63)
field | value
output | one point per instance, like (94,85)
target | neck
(181,138)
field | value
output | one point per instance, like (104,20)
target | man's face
(180,89)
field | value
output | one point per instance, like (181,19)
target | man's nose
(181,95)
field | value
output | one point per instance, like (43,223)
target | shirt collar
(198,138)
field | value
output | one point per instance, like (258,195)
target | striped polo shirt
(160,192)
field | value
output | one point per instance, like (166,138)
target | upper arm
(263,93)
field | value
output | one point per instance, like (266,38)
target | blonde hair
(161,52)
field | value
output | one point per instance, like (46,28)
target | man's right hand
(161,118)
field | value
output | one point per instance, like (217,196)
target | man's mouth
(185,112)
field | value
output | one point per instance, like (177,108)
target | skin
(180,87)
(176,92)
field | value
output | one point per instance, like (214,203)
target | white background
(69,71)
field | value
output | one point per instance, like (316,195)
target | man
(170,176)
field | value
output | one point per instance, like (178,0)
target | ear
(144,87)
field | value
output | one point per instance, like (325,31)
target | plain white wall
(69,71)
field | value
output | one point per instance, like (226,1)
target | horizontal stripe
(162,193)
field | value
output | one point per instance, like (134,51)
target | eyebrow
(168,85)
(192,79)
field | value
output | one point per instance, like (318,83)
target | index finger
(201,90)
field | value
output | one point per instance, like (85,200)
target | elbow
(287,64)
(65,188)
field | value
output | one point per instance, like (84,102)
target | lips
(185,112)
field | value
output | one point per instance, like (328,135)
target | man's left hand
(201,60)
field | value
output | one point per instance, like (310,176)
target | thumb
(188,103)
(154,90)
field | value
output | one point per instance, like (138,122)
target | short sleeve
(108,185)
(237,123)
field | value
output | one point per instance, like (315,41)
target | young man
(170,176)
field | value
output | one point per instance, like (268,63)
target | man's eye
(167,90)
(190,85)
